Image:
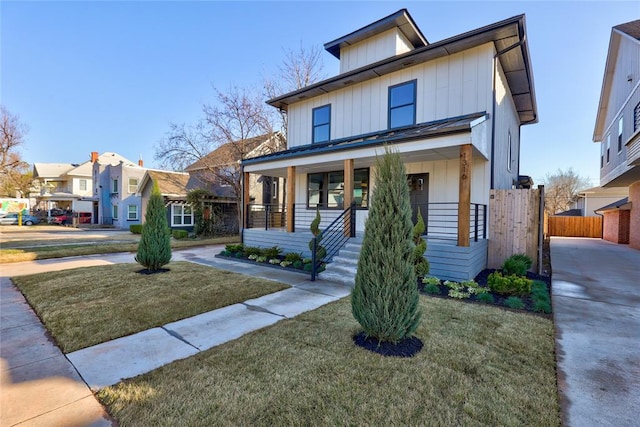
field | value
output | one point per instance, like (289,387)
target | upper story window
(608,147)
(114,185)
(509,154)
(620,126)
(636,117)
(83,185)
(601,155)
(133,185)
(402,105)
(322,123)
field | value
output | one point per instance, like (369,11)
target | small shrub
(252,250)
(293,257)
(431,281)
(180,234)
(272,252)
(225,253)
(135,228)
(235,248)
(542,306)
(453,293)
(239,255)
(524,258)
(285,264)
(486,298)
(432,289)
(298,265)
(514,302)
(306,261)
(514,267)
(509,285)
(307,267)
(253,257)
(274,261)
(540,296)
(261,258)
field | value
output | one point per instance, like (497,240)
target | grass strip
(480,366)
(53,251)
(86,306)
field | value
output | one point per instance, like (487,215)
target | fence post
(266,217)
(313,259)
(475,227)
(352,224)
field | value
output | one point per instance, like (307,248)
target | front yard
(86,306)
(480,365)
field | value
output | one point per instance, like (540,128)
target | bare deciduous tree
(560,189)
(13,133)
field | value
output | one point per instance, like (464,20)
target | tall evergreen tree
(385,297)
(154,249)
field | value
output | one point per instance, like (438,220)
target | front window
(114,185)
(132,212)
(133,185)
(322,123)
(114,211)
(181,215)
(402,105)
(83,185)
(326,190)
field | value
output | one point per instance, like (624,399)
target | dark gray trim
(314,125)
(458,124)
(324,204)
(415,101)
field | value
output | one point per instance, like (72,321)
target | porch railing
(331,239)
(274,216)
(441,220)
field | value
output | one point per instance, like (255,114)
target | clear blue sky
(110,76)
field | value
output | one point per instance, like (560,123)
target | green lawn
(87,306)
(480,366)
(25,251)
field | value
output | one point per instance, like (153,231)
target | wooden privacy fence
(514,225)
(575,226)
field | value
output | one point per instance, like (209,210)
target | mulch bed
(499,300)
(407,347)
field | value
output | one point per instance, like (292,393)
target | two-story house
(452,109)
(115,185)
(617,130)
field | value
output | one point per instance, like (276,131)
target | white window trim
(114,212)
(129,185)
(182,216)
(80,182)
(129,212)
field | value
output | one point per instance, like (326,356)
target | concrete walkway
(596,304)
(41,386)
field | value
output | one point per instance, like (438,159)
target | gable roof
(400,19)
(629,29)
(169,183)
(51,170)
(508,36)
(231,152)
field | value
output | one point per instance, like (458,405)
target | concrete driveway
(596,304)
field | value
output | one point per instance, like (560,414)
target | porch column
(464,195)
(245,199)
(291,198)
(348,194)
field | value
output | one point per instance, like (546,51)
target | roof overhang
(400,19)
(508,37)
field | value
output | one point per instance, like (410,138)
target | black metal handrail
(441,220)
(332,239)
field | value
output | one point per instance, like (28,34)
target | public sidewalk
(596,305)
(41,386)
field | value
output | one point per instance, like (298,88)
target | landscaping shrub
(234,248)
(293,257)
(508,285)
(252,250)
(540,296)
(431,281)
(385,298)
(135,228)
(542,306)
(154,249)
(431,289)
(486,298)
(514,302)
(321,252)
(272,252)
(517,265)
(180,234)
(298,265)
(307,267)
(421,265)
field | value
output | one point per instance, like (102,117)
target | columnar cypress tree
(154,249)
(385,297)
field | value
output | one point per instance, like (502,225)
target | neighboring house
(617,129)
(588,201)
(174,187)
(66,186)
(220,169)
(452,109)
(115,184)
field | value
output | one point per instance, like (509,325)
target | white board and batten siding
(451,86)
(384,45)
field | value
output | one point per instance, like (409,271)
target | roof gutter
(493,107)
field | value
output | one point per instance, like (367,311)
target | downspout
(493,108)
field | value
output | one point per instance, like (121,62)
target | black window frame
(390,108)
(324,190)
(315,125)
(620,132)
(636,117)
(608,148)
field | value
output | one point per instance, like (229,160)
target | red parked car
(67,218)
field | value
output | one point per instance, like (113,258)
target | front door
(419,195)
